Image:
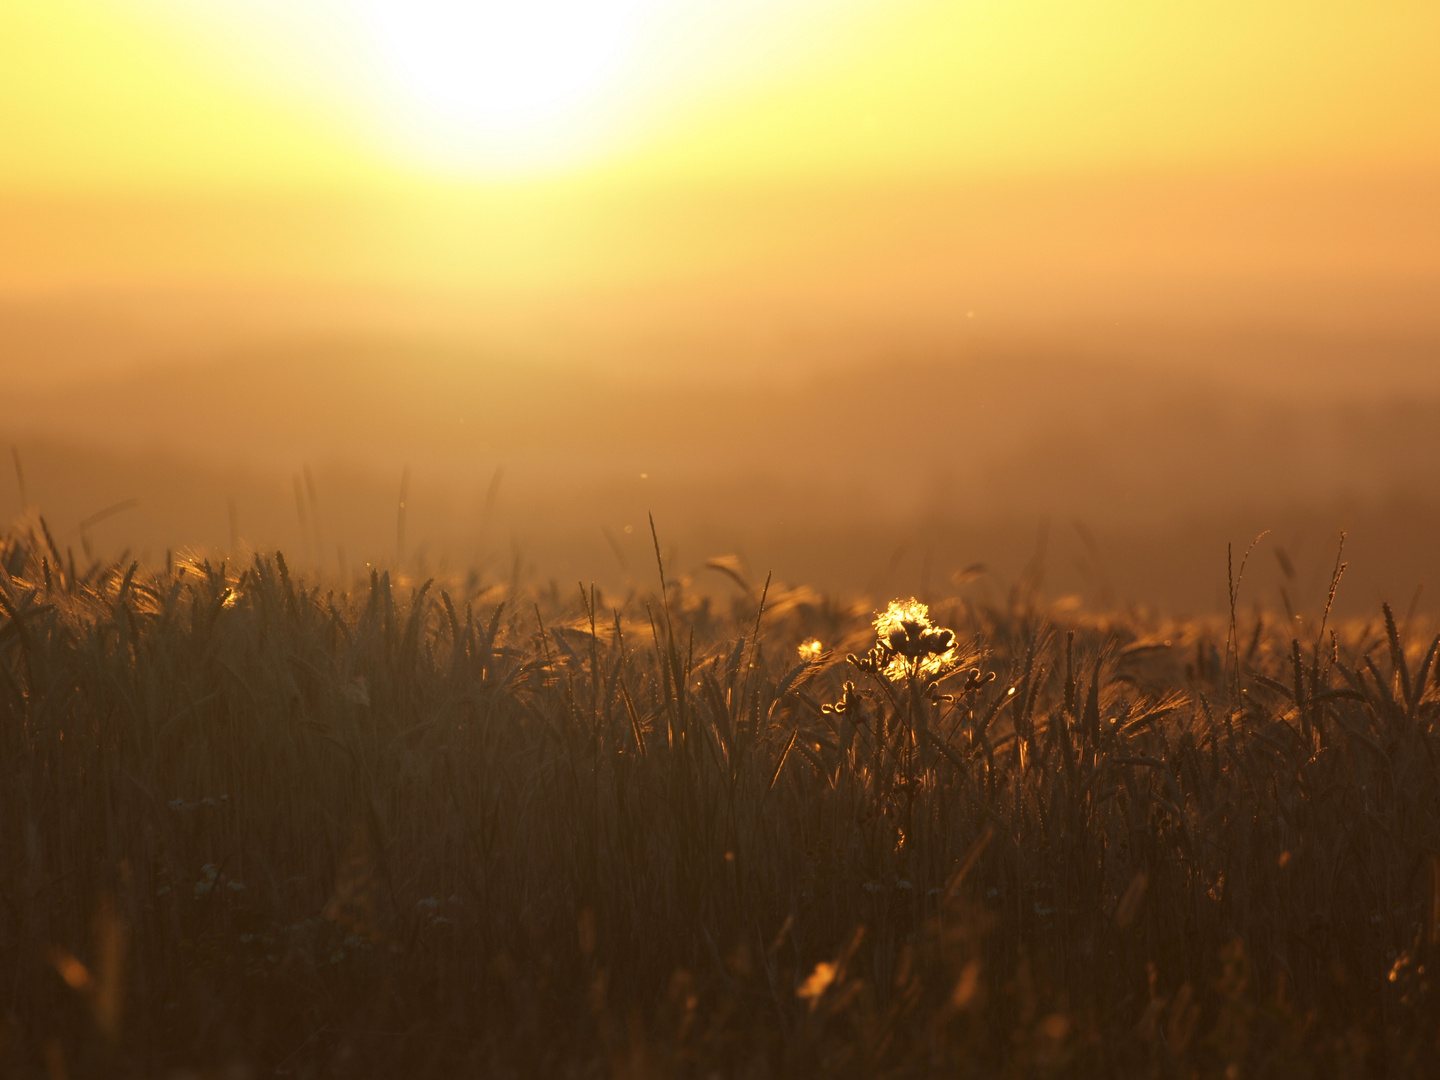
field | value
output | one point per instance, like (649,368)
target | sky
(179,95)
(683,169)
(312,217)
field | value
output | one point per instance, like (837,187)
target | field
(630,539)
(261,825)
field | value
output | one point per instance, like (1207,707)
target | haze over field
(868,293)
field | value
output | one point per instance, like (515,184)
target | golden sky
(105,95)
(222,220)
(556,174)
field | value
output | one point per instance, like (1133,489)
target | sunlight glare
(496,78)
(491,88)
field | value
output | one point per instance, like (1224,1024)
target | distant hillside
(1139,475)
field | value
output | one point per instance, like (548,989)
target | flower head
(909,643)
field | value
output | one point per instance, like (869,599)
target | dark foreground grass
(250,826)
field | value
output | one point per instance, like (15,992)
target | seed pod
(937,641)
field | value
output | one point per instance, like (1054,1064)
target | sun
(469,89)
(500,81)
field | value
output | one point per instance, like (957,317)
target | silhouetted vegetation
(269,826)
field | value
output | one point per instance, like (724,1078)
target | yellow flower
(915,644)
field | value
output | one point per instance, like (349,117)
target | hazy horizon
(873,476)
